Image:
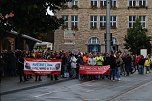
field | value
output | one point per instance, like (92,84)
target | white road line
(91,100)
(60,98)
(88,91)
(67,87)
(45,94)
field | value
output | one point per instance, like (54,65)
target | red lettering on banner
(87,69)
(37,66)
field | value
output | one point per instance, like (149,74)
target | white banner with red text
(42,66)
(88,69)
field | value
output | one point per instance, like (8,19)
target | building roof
(25,36)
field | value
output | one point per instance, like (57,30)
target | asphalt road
(133,88)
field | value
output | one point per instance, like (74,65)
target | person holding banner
(73,66)
(20,68)
(85,58)
(79,62)
(38,76)
(99,62)
(91,61)
(64,63)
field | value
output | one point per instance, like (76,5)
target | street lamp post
(108,35)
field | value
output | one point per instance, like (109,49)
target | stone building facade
(85,22)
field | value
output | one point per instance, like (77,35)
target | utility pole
(108,35)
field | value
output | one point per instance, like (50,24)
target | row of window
(103,3)
(102,20)
(114,3)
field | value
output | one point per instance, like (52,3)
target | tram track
(129,90)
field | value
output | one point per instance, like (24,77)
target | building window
(102,22)
(65,18)
(64,5)
(94,40)
(75,2)
(132,3)
(132,20)
(94,45)
(143,21)
(74,21)
(113,21)
(93,22)
(103,3)
(142,3)
(113,3)
(94,3)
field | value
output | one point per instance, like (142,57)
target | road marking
(45,94)
(91,100)
(62,89)
(60,98)
(89,91)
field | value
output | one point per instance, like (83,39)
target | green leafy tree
(30,16)
(137,39)
(6,7)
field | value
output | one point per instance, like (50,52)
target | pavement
(12,84)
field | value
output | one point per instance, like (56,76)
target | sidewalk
(12,84)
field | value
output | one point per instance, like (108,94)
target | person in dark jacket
(112,66)
(128,61)
(141,64)
(12,61)
(64,65)
(20,68)
(2,63)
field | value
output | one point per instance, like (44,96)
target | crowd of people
(121,63)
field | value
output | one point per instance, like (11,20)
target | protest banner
(88,69)
(42,66)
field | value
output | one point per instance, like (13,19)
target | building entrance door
(93,48)
(94,45)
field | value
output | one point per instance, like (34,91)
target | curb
(33,87)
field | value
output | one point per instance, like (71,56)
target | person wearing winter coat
(99,62)
(73,66)
(118,65)
(2,63)
(147,64)
(91,60)
(128,62)
(112,67)
(141,64)
(20,68)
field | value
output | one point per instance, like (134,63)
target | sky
(50,12)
